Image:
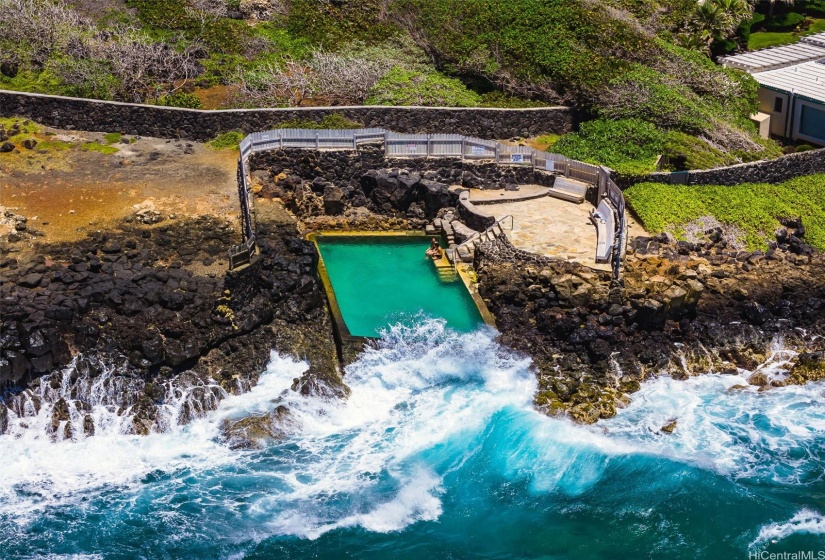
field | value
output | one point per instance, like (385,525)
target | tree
(773,5)
(717,20)
(337,78)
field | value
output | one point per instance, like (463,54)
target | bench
(604,220)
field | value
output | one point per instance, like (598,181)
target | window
(812,123)
(777,104)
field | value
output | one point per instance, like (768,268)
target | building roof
(778,57)
(805,80)
(817,39)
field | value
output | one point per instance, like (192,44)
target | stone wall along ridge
(765,171)
(202,125)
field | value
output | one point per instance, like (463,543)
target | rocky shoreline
(130,320)
(145,320)
(680,310)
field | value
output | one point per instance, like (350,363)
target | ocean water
(383,280)
(436,454)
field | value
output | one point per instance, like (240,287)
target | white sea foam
(417,388)
(805,521)
(422,404)
(38,473)
(738,431)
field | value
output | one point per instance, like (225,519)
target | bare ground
(70,190)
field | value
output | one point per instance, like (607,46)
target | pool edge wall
(349,345)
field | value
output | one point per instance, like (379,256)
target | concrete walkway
(552,227)
(546,225)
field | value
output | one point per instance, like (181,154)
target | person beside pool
(434,252)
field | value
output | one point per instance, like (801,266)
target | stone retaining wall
(191,124)
(501,250)
(345,167)
(472,215)
(766,171)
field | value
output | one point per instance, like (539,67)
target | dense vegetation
(753,211)
(785,24)
(639,69)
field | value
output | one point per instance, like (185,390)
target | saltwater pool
(384,280)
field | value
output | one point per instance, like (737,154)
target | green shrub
(684,152)
(815,8)
(283,43)
(753,208)
(783,22)
(180,99)
(333,24)
(804,148)
(227,140)
(227,36)
(429,88)
(629,146)
(164,14)
(644,93)
(112,137)
(757,20)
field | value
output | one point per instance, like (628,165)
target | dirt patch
(216,97)
(68,185)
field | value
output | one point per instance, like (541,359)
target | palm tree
(773,4)
(718,19)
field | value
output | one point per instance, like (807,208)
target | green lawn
(764,39)
(754,208)
(817,26)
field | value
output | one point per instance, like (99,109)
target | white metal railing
(439,145)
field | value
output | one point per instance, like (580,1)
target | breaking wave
(437,451)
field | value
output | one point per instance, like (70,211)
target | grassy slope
(755,208)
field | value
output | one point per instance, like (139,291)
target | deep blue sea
(437,454)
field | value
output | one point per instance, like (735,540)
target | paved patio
(547,226)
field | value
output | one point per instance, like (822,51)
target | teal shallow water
(437,454)
(379,281)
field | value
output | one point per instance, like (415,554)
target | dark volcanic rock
(594,341)
(137,309)
(30,280)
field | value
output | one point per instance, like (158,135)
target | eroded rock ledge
(682,310)
(150,309)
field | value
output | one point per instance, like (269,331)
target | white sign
(550,165)
(412,148)
(516,158)
(477,150)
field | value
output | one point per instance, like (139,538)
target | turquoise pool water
(380,281)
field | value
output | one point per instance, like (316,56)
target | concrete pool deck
(546,225)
